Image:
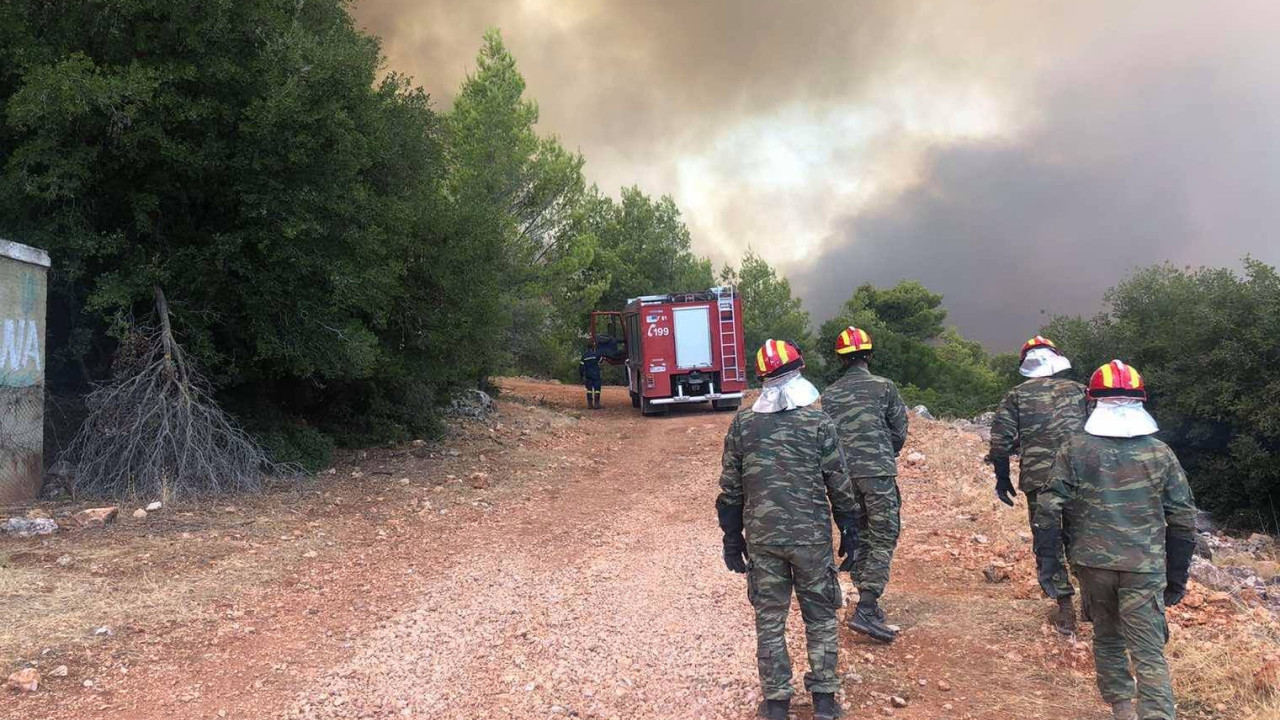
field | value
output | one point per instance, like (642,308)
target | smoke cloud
(1018,157)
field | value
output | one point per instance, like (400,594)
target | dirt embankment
(551,561)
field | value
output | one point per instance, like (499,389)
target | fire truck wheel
(648,408)
(635,399)
(724,405)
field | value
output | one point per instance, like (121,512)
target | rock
(1267,570)
(479,480)
(922,412)
(1203,548)
(153,507)
(995,574)
(944,686)
(25,680)
(1204,522)
(474,404)
(898,702)
(64,561)
(1266,681)
(60,671)
(980,539)
(140,514)
(104,630)
(915,457)
(27,527)
(95,517)
(987,418)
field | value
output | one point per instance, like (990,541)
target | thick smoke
(1019,157)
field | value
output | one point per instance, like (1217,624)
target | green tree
(933,365)
(1205,342)
(768,308)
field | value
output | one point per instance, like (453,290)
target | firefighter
(872,420)
(1034,419)
(589,372)
(782,461)
(1124,498)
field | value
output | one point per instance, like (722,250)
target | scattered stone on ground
(140,514)
(26,680)
(921,411)
(28,527)
(95,517)
(153,507)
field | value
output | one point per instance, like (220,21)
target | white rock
(154,506)
(104,630)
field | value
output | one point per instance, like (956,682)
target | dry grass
(122,576)
(1213,669)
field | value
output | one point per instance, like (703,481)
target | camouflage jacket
(1033,421)
(872,420)
(787,471)
(1115,497)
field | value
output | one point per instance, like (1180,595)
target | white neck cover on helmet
(1043,362)
(785,392)
(1120,417)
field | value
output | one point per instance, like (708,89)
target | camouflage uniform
(873,427)
(1122,499)
(786,470)
(1033,421)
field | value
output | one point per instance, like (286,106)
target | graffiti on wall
(21,321)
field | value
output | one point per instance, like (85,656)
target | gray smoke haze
(1019,157)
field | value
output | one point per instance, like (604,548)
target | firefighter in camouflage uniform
(1033,421)
(1124,498)
(783,481)
(872,420)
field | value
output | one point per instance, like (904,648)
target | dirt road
(570,566)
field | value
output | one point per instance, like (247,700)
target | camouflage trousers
(1128,617)
(774,571)
(1061,580)
(878,531)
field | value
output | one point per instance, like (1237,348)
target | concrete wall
(23,272)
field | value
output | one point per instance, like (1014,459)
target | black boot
(868,619)
(825,706)
(774,709)
(591,403)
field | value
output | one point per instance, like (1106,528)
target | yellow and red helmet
(853,340)
(1038,341)
(1115,379)
(776,357)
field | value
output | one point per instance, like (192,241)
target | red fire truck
(678,348)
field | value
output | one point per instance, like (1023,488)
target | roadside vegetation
(341,254)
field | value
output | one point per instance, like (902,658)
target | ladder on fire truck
(731,364)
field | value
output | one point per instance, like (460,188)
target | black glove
(1178,551)
(848,525)
(1004,486)
(1047,543)
(735,545)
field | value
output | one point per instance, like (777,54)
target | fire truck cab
(677,348)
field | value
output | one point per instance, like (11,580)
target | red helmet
(1115,379)
(1038,341)
(776,357)
(853,340)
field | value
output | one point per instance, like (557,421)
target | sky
(1019,157)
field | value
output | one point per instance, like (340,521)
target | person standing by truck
(872,419)
(589,372)
(783,469)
